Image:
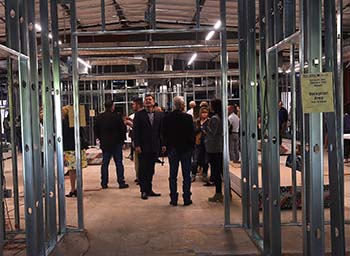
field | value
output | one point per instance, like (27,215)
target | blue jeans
(117,155)
(175,158)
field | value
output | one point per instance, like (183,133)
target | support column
(245,178)
(251,99)
(49,166)
(12,34)
(224,69)
(58,118)
(263,118)
(75,77)
(272,132)
(34,96)
(103,15)
(313,142)
(335,132)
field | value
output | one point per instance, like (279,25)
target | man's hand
(163,149)
(138,150)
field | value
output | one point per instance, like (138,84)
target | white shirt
(190,112)
(234,122)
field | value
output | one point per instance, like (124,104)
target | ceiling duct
(168,62)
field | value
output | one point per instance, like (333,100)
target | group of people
(188,140)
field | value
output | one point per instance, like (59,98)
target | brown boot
(218,198)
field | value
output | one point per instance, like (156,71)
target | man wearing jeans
(178,135)
(111,131)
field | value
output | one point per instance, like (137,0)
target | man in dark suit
(178,136)
(111,131)
(147,143)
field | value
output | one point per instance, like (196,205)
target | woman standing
(214,144)
(200,156)
(69,149)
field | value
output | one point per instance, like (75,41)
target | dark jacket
(69,137)
(214,139)
(178,131)
(146,136)
(110,130)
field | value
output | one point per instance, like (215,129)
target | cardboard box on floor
(82,117)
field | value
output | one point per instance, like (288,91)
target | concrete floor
(118,222)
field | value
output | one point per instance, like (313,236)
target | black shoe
(186,203)
(144,196)
(159,161)
(136,180)
(67,173)
(173,203)
(124,185)
(152,193)
(72,194)
(104,186)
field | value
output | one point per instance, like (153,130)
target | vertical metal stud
(245,180)
(58,118)
(335,133)
(103,15)
(273,35)
(12,34)
(49,167)
(224,69)
(34,95)
(252,138)
(313,140)
(75,77)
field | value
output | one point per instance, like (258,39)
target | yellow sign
(317,92)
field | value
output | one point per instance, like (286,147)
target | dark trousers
(175,157)
(200,158)
(215,160)
(147,162)
(117,155)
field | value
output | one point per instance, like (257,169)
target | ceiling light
(84,63)
(217,24)
(59,42)
(194,56)
(210,35)
(38,27)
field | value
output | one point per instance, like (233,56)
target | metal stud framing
(75,78)
(48,144)
(58,118)
(245,180)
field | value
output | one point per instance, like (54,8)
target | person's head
(215,106)
(192,104)
(280,104)
(204,104)
(149,101)
(203,113)
(109,105)
(179,103)
(65,112)
(230,109)
(137,104)
(236,108)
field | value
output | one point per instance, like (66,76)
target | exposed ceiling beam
(158,75)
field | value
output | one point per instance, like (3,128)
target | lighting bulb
(210,35)
(194,56)
(217,24)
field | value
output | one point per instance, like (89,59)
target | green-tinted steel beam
(313,143)
(12,34)
(245,180)
(49,163)
(252,118)
(75,78)
(224,70)
(335,133)
(34,96)
(273,36)
(58,117)
(263,117)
